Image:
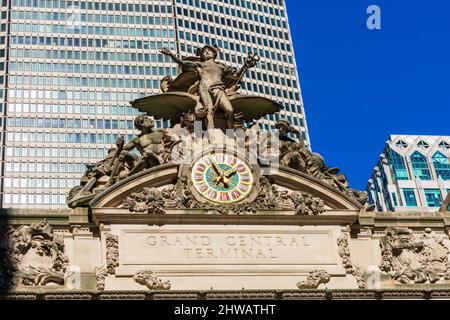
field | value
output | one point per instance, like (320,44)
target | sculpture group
(141,191)
(205,91)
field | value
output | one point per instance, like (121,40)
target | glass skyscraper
(68,70)
(412,174)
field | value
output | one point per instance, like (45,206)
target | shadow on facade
(7,265)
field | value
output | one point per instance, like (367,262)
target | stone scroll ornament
(413,258)
(32,256)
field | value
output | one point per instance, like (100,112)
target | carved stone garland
(112,260)
(350,268)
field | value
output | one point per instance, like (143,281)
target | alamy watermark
(257,147)
(373,277)
(374,19)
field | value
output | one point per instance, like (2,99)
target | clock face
(222,178)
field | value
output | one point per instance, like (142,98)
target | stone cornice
(269,217)
(414,220)
(29,216)
(313,294)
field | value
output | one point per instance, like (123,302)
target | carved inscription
(221,247)
(232,247)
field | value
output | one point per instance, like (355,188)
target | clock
(222,178)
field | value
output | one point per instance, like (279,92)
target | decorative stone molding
(32,256)
(175,296)
(318,294)
(241,295)
(412,258)
(152,282)
(314,279)
(350,268)
(123,296)
(112,260)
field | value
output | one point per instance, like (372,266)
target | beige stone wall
(234,256)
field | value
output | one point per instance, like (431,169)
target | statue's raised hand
(166,52)
(251,60)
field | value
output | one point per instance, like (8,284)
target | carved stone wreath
(32,255)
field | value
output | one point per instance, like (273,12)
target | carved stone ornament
(152,282)
(179,196)
(149,200)
(411,258)
(112,260)
(32,255)
(350,268)
(314,279)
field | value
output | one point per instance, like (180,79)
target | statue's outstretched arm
(177,60)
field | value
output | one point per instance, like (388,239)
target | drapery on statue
(214,79)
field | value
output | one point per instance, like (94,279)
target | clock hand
(216,167)
(231,172)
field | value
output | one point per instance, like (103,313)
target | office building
(68,70)
(412,174)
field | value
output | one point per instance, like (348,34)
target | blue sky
(360,85)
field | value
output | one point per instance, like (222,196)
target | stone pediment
(161,195)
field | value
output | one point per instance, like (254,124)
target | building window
(398,166)
(423,145)
(434,197)
(444,145)
(401,144)
(410,197)
(441,165)
(394,197)
(420,166)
